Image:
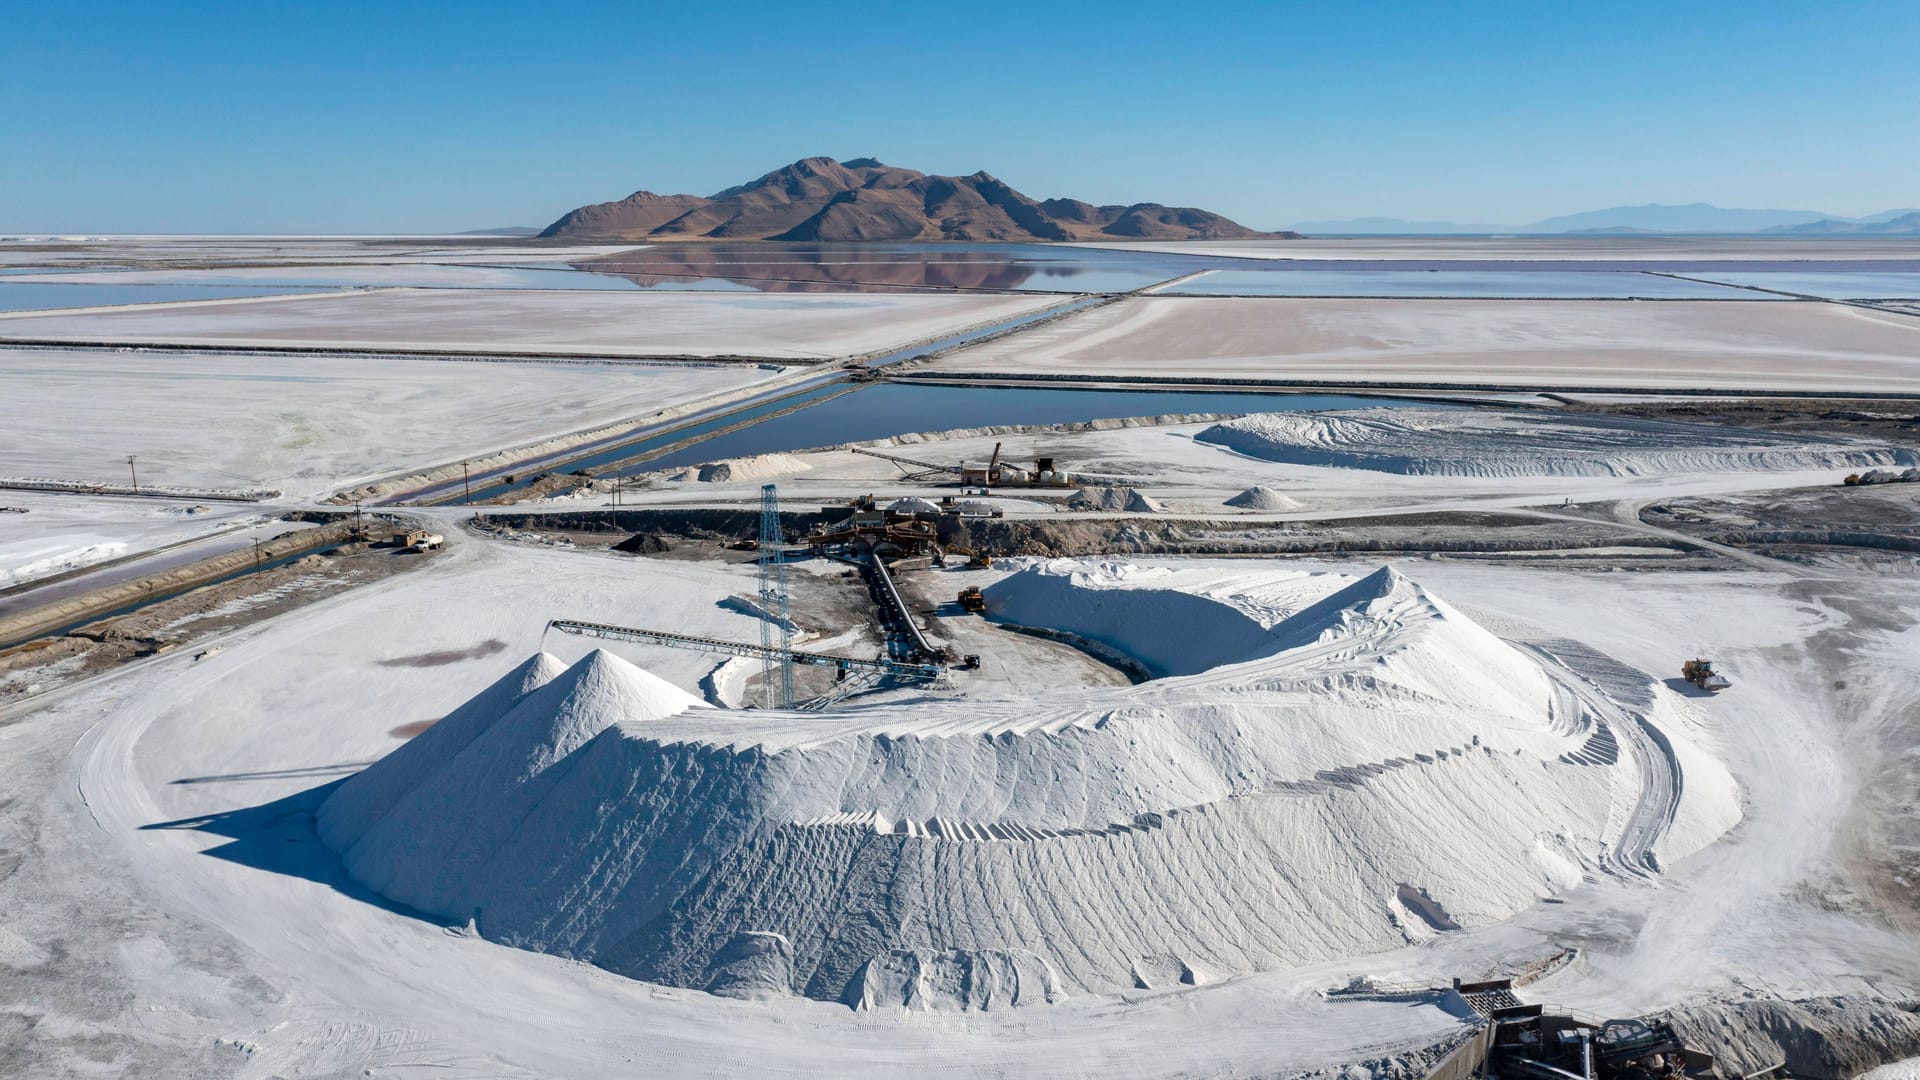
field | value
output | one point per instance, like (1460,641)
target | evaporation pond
(877,267)
(887,409)
(1845,285)
(22,296)
(394,275)
(1466,284)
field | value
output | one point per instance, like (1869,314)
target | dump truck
(418,540)
(1700,673)
(972,599)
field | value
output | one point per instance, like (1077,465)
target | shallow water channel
(882,410)
(840,412)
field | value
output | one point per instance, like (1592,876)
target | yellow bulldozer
(1701,674)
(972,599)
(976,560)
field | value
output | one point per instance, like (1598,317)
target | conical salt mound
(598,691)
(429,848)
(1419,644)
(1260,497)
(1341,608)
(1140,504)
(367,796)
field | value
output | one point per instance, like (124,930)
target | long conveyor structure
(900,669)
(893,610)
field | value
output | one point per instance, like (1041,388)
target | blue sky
(346,117)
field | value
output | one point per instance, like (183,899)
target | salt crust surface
(1623,344)
(308,425)
(771,325)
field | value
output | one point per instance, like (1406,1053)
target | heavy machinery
(973,478)
(922,471)
(1700,673)
(972,599)
(976,560)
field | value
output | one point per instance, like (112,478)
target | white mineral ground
(247,931)
(548,322)
(309,425)
(1679,344)
(60,532)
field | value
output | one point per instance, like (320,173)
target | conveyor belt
(896,668)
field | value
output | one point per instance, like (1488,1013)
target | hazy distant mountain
(504,230)
(1652,218)
(1395,226)
(1891,223)
(1691,218)
(819,198)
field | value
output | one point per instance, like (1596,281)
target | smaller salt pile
(1126,499)
(758,467)
(1261,497)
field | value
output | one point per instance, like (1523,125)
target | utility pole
(135,474)
(359,530)
(467,482)
(256,553)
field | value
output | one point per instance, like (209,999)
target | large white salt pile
(463,812)
(1261,497)
(366,798)
(1472,442)
(1323,748)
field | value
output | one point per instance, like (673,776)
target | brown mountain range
(822,199)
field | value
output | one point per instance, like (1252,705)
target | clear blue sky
(342,117)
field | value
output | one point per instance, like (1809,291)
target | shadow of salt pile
(290,835)
(1168,631)
(279,838)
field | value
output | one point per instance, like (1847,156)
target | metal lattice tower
(776,675)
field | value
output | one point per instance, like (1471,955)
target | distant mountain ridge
(1650,218)
(1659,217)
(818,198)
(1892,223)
(1394,226)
